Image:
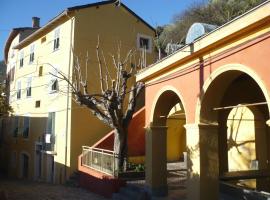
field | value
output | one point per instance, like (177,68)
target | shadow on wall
(24,140)
(136,137)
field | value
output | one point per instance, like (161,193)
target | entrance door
(25,166)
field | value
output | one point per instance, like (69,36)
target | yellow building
(43,140)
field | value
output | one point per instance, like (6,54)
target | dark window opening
(37,104)
(144,43)
(40,71)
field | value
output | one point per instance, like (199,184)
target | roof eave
(29,39)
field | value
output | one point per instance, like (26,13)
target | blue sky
(18,13)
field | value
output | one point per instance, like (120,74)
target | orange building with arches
(217,88)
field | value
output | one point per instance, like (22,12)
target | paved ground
(176,180)
(26,190)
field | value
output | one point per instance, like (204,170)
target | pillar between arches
(203,161)
(156,160)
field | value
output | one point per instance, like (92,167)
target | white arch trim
(160,92)
(226,68)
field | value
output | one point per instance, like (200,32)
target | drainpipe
(68,90)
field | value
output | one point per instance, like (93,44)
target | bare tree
(109,104)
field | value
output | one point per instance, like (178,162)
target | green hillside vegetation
(216,12)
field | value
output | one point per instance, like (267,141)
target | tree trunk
(120,146)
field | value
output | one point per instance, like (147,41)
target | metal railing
(101,160)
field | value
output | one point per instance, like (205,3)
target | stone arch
(227,68)
(227,88)
(162,134)
(161,92)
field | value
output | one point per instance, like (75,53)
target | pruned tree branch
(108,105)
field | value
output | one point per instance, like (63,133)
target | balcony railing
(101,160)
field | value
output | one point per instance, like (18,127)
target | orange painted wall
(136,137)
(253,54)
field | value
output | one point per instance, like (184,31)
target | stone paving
(27,190)
(176,180)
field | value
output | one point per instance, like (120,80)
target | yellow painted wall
(46,57)
(176,138)
(241,139)
(75,127)
(115,27)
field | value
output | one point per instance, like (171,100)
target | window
(144,42)
(16,127)
(32,53)
(28,87)
(37,104)
(54,86)
(40,71)
(50,132)
(56,39)
(19,90)
(21,58)
(51,123)
(26,126)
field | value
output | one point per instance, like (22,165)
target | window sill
(53,91)
(147,50)
(54,50)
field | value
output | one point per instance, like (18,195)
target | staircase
(131,192)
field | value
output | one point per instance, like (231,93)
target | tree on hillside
(216,12)
(109,105)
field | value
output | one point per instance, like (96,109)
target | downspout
(68,91)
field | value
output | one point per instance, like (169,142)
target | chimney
(35,22)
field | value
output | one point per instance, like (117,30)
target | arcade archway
(166,140)
(235,142)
